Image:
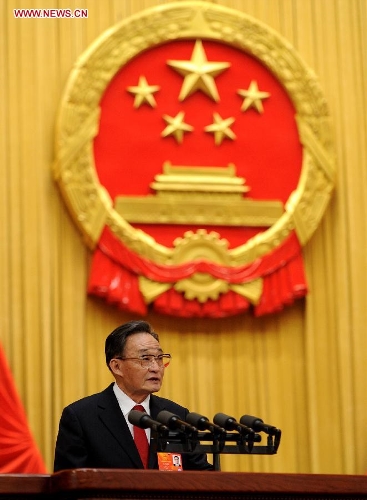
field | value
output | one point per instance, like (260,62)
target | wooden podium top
(151,484)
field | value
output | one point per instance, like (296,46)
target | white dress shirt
(127,404)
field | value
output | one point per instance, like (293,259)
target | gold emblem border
(74,168)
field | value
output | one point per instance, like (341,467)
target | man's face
(134,380)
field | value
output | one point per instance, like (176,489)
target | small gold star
(253,97)
(176,126)
(143,93)
(220,128)
(199,73)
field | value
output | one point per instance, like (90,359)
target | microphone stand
(173,435)
(183,437)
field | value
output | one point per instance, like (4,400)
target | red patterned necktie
(141,440)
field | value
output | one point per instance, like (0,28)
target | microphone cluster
(171,433)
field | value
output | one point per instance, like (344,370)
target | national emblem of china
(194,154)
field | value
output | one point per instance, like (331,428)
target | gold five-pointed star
(199,73)
(221,128)
(176,126)
(143,92)
(253,97)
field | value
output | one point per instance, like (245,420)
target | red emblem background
(129,150)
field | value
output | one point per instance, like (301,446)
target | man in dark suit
(94,432)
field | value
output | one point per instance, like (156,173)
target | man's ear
(114,365)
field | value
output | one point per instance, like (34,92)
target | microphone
(202,423)
(231,424)
(143,420)
(173,422)
(258,425)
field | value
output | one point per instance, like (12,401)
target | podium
(134,484)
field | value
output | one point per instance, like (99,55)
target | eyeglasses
(146,361)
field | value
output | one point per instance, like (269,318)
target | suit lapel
(156,405)
(112,417)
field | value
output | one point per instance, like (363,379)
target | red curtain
(18,450)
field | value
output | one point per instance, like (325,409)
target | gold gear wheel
(201,245)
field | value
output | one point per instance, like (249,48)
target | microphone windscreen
(166,417)
(136,417)
(198,421)
(251,421)
(224,421)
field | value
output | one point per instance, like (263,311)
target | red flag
(18,450)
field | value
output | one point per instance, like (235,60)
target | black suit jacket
(93,433)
